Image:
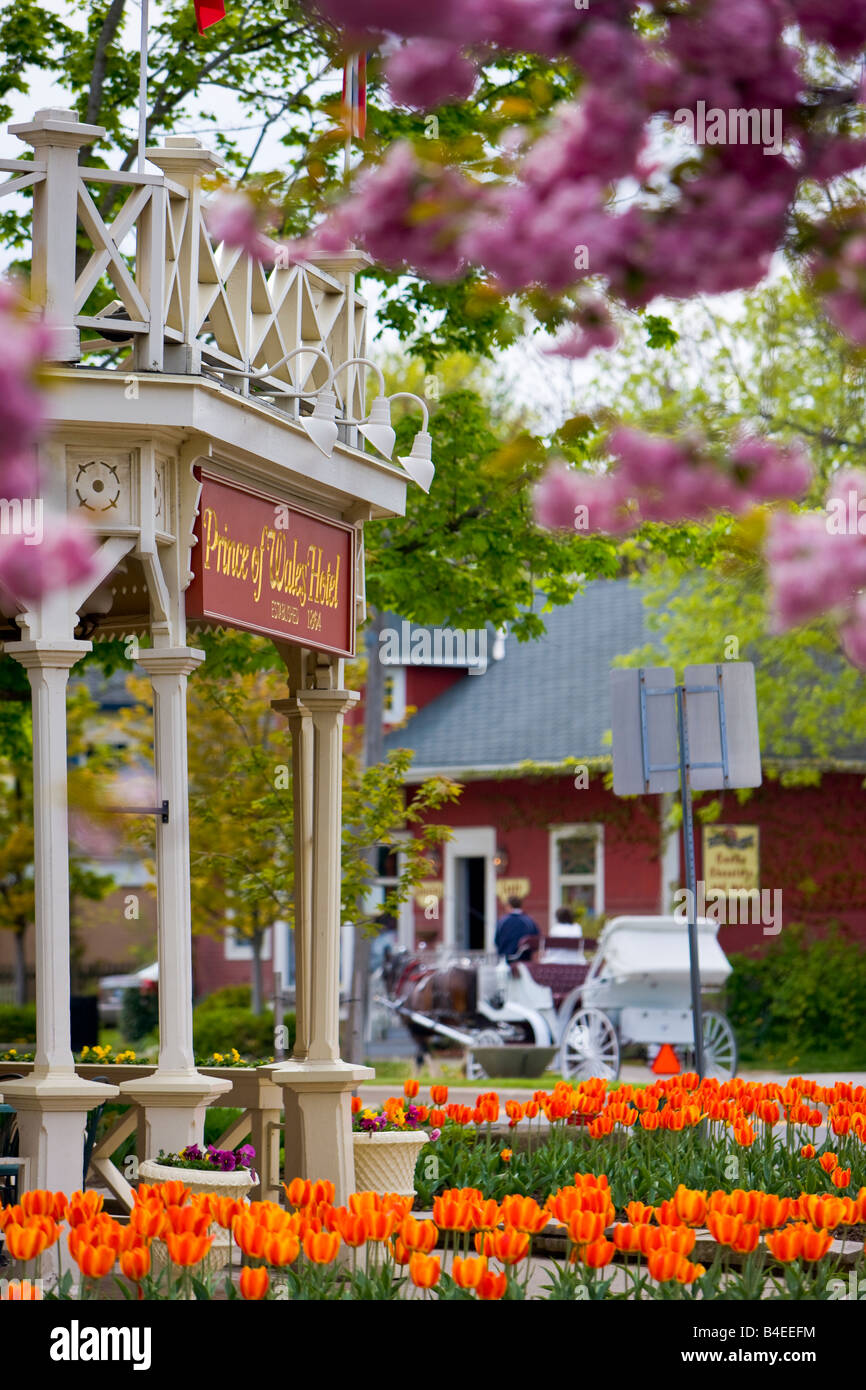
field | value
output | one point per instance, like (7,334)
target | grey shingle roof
(545,702)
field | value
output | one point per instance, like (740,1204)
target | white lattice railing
(183,303)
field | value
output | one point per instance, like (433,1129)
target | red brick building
(526,736)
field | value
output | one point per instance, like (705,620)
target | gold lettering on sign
(313,579)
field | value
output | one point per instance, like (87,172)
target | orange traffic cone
(666,1063)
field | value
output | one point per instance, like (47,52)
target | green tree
(241,808)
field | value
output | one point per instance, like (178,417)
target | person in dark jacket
(511,929)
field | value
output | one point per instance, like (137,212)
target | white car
(112,988)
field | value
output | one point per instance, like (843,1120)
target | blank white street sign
(737,679)
(661,723)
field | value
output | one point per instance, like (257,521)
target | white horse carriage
(635,991)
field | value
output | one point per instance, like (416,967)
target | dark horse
(447,994)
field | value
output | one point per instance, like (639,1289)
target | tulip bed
(649,1140)
(628,1178)
(375,1249)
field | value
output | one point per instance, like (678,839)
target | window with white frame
(240,948)
(576,869)
(394,709)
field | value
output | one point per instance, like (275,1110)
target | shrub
(219,1030)
(229,997)
(800,994)
(139,1013)
(17,1023)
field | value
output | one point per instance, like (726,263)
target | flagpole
(142,87)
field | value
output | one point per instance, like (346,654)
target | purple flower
(434,1135)
(192,1151)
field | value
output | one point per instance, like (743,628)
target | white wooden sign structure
(125,439)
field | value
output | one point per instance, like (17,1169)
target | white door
(470,889)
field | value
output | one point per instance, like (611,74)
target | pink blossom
(232,218)
(429,72)
(852,634)
(64,556)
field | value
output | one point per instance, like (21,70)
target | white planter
(236,1184)
(386,1162)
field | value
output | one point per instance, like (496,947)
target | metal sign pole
(691,882)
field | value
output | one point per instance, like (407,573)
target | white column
(176,1096)
(53,1102)
(315,1082)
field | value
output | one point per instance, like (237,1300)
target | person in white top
(570,934)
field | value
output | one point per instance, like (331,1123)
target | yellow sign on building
(731,860)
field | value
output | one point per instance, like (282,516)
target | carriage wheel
(590,1047)
(720,1047)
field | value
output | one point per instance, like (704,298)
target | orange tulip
(666,1213)
(746,1239)
(745,1204)
(174,1193)
(665,1265)
(40,1202)
(688,1273)
(135,1263)
(774,1211)
(411,1089)
(380,1225)
(267,1215)
(723,1228)
(424,1270)
(638,1214)
(453,1216)
(815,1243)
(321,1247)
(14,1215)
(506,1155)
(691,1206)
(786,1245)
(808,1151)
(492,1286)
(468,1273)
(356,1105)
(825,1212)
(651,1238)
(485,1243)
(83,1206)
(679,1238)
(439,1095)
(840,1177)
(510,1246)
(254,1282)
(249,1236)
(187,1219)
(418,1236)
(298,1191)
(30,1241)
(147,1219)
(362,1202)
(828,1162)
(322,1190)
(353,1229)
(585,1226)
(597,1254)
(188,1248)
(281,1248)
(744,1135)
(626,1238)
(524,1213)
(95,1261)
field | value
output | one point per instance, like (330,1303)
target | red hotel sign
(267,567)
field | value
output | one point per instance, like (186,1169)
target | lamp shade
(321,426)
(378,429)
(419,464)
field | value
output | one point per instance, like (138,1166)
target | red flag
(355,95)
(208,12)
